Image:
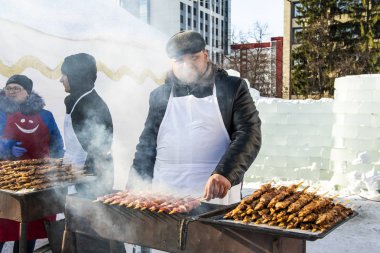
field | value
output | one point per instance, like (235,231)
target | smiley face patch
(27,126)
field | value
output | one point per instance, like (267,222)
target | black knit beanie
(23,81)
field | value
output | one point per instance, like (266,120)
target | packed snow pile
(254,93)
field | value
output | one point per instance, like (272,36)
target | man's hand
(217,186)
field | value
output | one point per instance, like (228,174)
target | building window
(216,43)
(217,21)
(344,6)
(349,31)
(217,9)
(296,35)
(217,57)
(298,61)
(201,14)
(206,28)
(189,22)
(206,16)
(195,11)
(201,26)
(188,9)
(296,7)
(216,32)
(181,4)
(377,30)
(341,7)
(206,5)
(181,19)
(206,39)
(194,23)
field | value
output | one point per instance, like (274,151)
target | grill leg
(116,247)
(288,245)
(68,242)
(23,237)
(145,250)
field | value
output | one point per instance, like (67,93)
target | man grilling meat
(203,130)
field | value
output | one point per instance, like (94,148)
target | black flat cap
(185,42)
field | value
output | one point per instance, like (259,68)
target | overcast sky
(246,12)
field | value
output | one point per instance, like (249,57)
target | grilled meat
(152,202)
(288,208)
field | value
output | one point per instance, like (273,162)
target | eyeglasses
(13,89)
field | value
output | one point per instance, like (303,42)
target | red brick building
(261,64)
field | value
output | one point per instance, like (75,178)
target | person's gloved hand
(17,150)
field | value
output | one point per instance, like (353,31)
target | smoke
(130,56)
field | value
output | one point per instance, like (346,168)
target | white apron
(191,140)
(74,150)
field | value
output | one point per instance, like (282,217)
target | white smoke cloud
(42,33)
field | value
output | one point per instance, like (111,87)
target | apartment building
(291,28)
(211,18)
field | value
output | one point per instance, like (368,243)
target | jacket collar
(33,104)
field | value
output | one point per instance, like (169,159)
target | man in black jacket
(88,128)
(202,131)
(88,133)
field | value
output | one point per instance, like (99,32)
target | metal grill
(173,233)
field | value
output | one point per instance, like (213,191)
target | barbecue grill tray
(21,193)
(194,214)
(216,218)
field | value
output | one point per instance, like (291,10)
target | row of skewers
(285,207)
(36,174)
(153,202)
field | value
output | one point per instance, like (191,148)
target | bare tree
(251,56)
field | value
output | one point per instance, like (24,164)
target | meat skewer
(283,194)
(288,208)
(36,174)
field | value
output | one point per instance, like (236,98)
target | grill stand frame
(28,207)
(135,227)
(25,207)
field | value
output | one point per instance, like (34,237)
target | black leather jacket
(240,117)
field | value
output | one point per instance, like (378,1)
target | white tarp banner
(37,35)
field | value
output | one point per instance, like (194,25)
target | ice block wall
(355,154)
(334,139)
(296,139)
